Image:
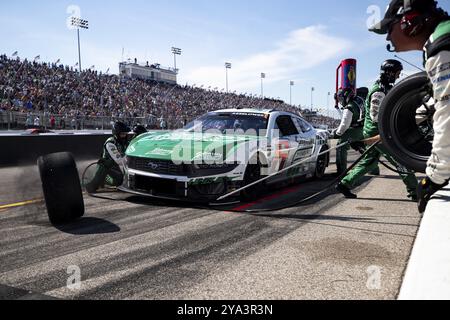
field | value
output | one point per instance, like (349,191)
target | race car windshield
(240,124)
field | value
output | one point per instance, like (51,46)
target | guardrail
(428,273)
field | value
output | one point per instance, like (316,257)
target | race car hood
(185,146)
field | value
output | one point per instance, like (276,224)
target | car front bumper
(206,189)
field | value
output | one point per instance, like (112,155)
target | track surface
(132,248)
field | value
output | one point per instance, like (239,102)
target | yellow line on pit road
(19,204)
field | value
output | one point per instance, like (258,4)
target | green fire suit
(371,160)
(349,130)
(110,167)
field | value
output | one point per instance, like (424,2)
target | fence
(21,121)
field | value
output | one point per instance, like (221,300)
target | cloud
(301,50)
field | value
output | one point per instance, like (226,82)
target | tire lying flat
(62,188)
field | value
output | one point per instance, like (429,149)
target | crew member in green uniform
(110,167)
(390,72)
(422,25)
(350,129)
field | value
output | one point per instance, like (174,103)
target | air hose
(326,189)
(309,198)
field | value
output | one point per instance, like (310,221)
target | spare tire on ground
(62,189)
(406,122)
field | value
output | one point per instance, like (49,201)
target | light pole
(176,52)
(227,66)
(328,103)
(263,76)
(312,104)
(291,84)
(83,24)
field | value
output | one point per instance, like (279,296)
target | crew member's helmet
(390,71)
(345,96)
(120,131)
(397,9)
(139,129)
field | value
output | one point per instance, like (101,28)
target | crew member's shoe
(346,191)
(413,197)
(90,188)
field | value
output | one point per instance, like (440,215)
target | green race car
(223,151)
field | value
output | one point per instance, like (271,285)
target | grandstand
(92,100)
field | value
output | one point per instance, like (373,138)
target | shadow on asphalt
(89,226)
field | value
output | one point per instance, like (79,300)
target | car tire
(403,136)
(322,164)
(253,173)
(62,188)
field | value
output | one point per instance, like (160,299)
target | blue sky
(297,40)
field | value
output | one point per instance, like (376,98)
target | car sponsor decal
(260,115)
(282,153)
(302,153)
(208,156)
(213,180)
(159,152)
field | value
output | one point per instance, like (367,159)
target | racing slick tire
(253,173)
(62,188)
(322,164)
(406,122)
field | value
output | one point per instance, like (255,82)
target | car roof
(257,111)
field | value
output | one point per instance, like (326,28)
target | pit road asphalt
(132,248)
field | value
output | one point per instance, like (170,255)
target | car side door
(285,146)
(306,142)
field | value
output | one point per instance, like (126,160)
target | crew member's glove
(334,135)
(425,191)
(358,146)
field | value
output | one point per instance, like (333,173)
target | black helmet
(389,70)
(139,129)
(346,95)
(118,128)
(398,8)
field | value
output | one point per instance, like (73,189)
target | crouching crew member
(110,168)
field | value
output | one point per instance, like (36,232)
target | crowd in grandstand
(60,91)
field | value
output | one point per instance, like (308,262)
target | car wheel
(61,187)
(321,164)
(253,173)
(406,122)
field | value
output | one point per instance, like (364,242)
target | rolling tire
(253,173)
(408,140)
(62,188)
(321,164)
